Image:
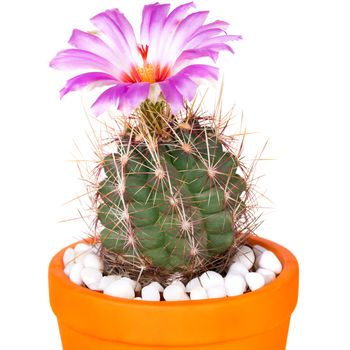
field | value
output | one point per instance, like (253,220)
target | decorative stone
(93,261)
(198,293)
(268,275)
(91,276)
(258,250)
(121,289)
(68,269)
(174,292)
(107,280)
(239,268)
(75,274)
(255,280)
(245,256)
(82,248)
(211,279)
(195,282)
(159,287)
(235,284)
(269,261)
(179,283)
(68,256)
(217,291)
(150,293)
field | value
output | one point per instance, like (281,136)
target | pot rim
(289,264)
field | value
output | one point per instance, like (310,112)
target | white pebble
(268,275)
(93,261)
(235,284)
(258,250)
(137,298)
(132,283)
(179,283)
(245,256)
(198,293)
(91,276)
(159,287)
(107,280)
(68,269)
(269,261)
(255,280)
(217,291)
(150,293)
(211,279)
(75,274)
(120,289)
(174,292)
(195,282)
(68,256)
(82,248)
(239,268)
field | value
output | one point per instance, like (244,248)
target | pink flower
(162,61)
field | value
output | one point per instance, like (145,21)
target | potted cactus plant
(173,261)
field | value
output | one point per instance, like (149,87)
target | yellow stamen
(147,73)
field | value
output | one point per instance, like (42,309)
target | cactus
(174,203)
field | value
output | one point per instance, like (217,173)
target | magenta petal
(196,53)
(184,32)
(91,43)
(202,37)
(108,99)
(201,71)
(107,24)
(83,80)
(124,25)
(172,95)
(185,86)
(221,39)
(216,24)
(133,96)
(73,59)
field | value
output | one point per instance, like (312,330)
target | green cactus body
(173,206)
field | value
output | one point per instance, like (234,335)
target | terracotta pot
(258,320)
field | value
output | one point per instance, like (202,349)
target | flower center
(147,73)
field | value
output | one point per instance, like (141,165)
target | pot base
(275,339)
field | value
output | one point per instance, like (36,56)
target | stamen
(147,73)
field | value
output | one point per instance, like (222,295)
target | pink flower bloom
(163,61)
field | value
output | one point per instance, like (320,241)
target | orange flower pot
(258,320)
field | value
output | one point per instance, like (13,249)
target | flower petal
(73,59)
(133,96)
(193,54)
(83,80)
(216,24)
(183,33)
(153,18)
(184,85)
(108,98)
(172,95)
(91,43)
(107,23)
(170,27)
(201,71)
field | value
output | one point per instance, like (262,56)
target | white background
(291,78)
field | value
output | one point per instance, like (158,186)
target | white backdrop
(290,77)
